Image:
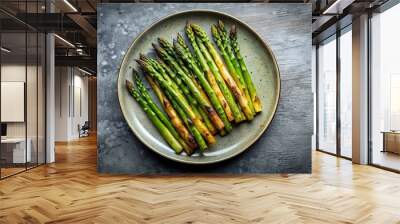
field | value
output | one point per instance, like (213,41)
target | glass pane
(13,88)
(31,98)
(41,98)
(386,89)
(31,88)
(346,93)
(314,74)
(327,96)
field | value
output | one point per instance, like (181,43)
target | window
(334,106)
(327,95)
(22,77)
(346,92)
(385,89)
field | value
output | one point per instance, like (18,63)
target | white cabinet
(19,155)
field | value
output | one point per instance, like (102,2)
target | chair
(84,130)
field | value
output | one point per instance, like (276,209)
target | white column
(360,90)
(50,100)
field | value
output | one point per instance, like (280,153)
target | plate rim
(249,143)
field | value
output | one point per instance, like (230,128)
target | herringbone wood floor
(71,191)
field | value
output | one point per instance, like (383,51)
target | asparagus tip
(233,31)
(163,42)
(143,57)
(141,63)
(178,49)
(221,24)
(180,37)
(154,46)
(157,48)
(129,85)
(214,31)
(196,28)
(188,25)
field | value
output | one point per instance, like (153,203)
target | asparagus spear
(212,114)
(237,113)
(175,122)
(246,76)
(237,92)
(165,133)
(188,58)
(222,47)
(168,74)
(180,99)
(181,41)
(206,120)
(189,123)
(175,118)
(167,46)
(177,84)
(226,44)
(211,79)
(170,50)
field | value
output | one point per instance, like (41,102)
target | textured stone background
(284,148)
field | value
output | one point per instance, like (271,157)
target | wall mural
(214,88)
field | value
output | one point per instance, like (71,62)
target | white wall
(33,126)
(71,102)
(16,73)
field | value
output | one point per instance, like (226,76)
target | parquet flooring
(71,191)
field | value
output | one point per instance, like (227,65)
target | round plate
(259,59)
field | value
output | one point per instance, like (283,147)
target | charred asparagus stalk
(169,49)
(189,123)
(180,40)
(237,114)
(167,46)
(174,125)
(237,92)
(180,99)
(175,118)
(246,76)
(188,58)
(212,114)
(178,85)
(207,70)
(233,64)
(165,133)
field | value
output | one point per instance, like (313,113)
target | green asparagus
(237,92)
(226,44)
(212,114)
(165,133)
(180,99)
(247,78)
(207,70)
(218,77)
(188,58)
(168,74)
(175,118)
(189,123)
(143,91)
(167,46)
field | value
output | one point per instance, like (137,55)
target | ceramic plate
(259,59)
